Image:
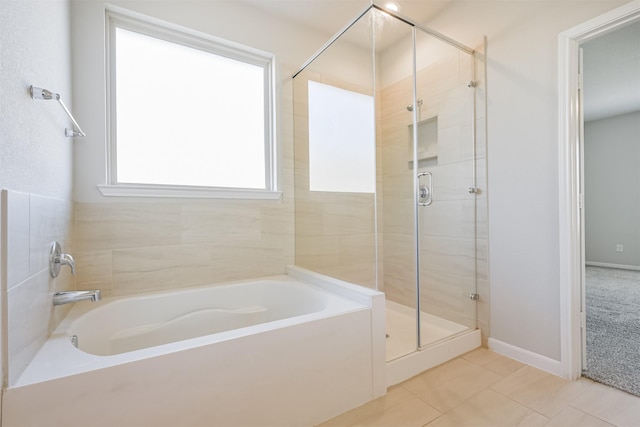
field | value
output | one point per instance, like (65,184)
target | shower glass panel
(398,210)
(334,154)
(446,169)
(395,195)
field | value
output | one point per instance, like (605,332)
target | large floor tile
(490,409)
(613,406)
(446,395)
(543,392)
(395,396)
(571,417)
(483,388)
(457,370)
(410,413)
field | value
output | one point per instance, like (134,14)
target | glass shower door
(446,189)
(395,197)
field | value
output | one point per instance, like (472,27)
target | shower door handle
(425,191)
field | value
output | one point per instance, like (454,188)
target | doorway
(573,191)
(611,159)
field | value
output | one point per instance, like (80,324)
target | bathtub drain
(74,340)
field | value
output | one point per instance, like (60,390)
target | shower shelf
(430,154)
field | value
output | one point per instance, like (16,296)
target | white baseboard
(525,356)
(609,265)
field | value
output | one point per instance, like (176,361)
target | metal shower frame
(471,84)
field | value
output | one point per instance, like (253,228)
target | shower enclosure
(389,176)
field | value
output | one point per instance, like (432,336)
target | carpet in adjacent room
(613,327)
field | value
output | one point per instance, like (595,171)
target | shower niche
(429,258)
(427,142)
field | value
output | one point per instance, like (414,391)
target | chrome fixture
(471,84)
(425,191)
(57,259)
(39,93)
(410,106)
(66,297)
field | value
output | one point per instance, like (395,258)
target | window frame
(193,39)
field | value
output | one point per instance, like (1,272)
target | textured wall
(36,163)
(35,156)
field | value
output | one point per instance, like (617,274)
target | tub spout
(66,297)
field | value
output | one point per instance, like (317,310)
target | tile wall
(453,229)
(335,232)
(128,247)
(31,224)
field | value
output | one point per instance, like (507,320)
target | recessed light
(392,6)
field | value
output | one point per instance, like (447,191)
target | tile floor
(483,388)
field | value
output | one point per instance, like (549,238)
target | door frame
(570,180)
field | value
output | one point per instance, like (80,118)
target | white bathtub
(289,350)
(128,324)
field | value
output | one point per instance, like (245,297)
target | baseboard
(525,356)
(609,265)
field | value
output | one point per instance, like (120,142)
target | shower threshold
(442,340)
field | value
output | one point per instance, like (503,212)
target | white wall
(522,158)
(612,196)
(36,164)
(35,156)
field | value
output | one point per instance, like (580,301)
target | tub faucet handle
(57,258)
(66,259)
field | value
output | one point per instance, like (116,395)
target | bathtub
(295,349)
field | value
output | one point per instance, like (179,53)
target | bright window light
(341,140)
(188,116)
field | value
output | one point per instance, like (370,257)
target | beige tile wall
(335,232)
(125,247)
(453,230)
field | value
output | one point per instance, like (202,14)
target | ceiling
(612,61)
(330,16)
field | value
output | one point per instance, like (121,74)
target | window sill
(133,190)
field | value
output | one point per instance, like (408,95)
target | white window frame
(117,18)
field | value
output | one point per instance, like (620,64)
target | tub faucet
(57,258)
(66,259)
(66,297)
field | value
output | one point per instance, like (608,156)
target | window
(188,115)
(341,121)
